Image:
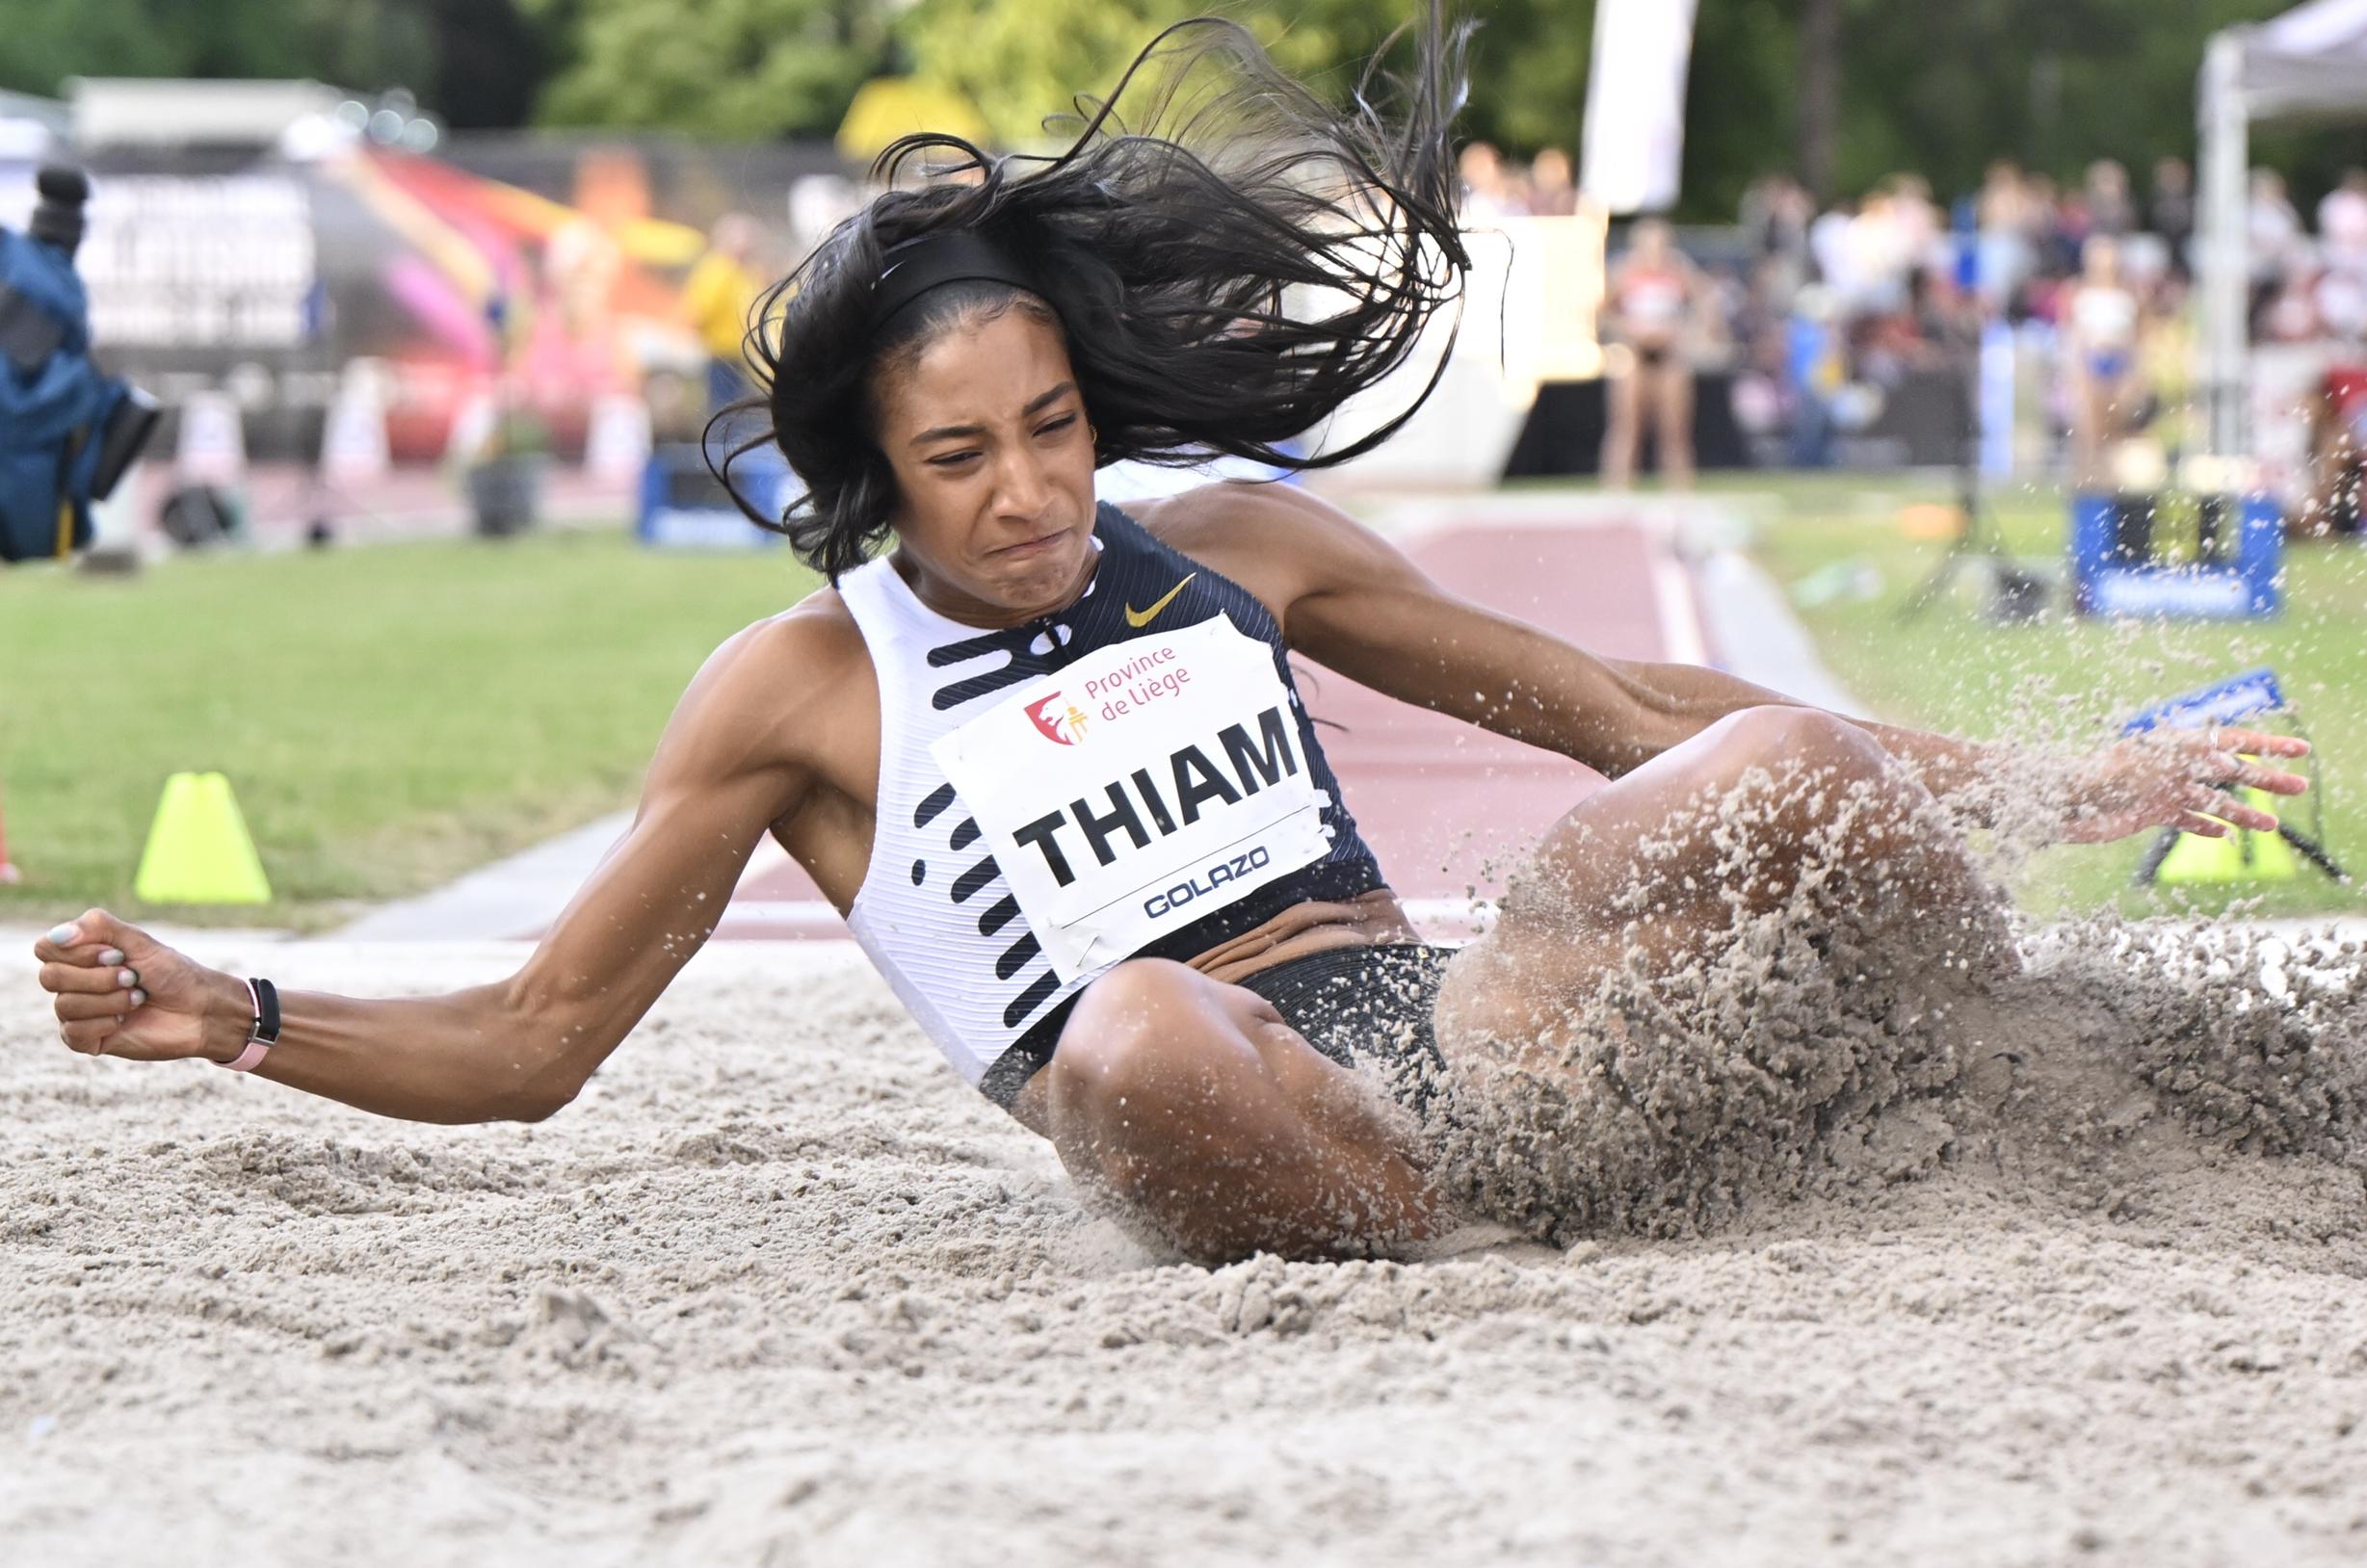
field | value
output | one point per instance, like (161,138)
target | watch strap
(263,1033)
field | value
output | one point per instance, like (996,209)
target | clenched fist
(122,993)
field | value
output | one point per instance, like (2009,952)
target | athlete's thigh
(1632,872)
(1179,1055)
(1216,1128)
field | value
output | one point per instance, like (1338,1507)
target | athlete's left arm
(1353,602)
(1357,605)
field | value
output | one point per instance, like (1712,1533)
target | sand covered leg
(1212,1126)
(1700,963)
(1663,866)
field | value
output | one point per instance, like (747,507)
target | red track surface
(1442,804)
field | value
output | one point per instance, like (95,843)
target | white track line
(1680,619)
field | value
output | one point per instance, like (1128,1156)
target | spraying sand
(2070,1270)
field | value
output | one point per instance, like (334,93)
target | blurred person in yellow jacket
(719,299)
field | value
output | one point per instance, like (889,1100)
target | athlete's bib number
(1143,787)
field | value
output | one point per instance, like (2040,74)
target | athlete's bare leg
(1672,412)
(1623,426)
(1219,1129)
(1575,913)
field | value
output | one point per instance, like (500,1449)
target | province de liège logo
(1058,719)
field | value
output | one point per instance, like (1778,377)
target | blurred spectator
(718,301)
(2337,452)
(2101,357)
(2111,209)
(1488,193)
(1832,248)
(1816,368)
(2290,313)
(2171,211)
(1827,313)
(1650,305)
(2003,258)
(2271,228)
(2342,224)
(1552,191)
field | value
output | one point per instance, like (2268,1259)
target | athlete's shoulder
(1294,543)
(1244,529)
(1232,509)
(790,677)
(816,635)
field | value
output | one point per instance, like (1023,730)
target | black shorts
(1366,1007)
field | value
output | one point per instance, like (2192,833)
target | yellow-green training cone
(198,849)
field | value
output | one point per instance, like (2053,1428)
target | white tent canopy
(2310,62)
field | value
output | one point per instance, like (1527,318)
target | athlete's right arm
(729,764)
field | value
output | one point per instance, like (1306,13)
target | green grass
(389,716)
(2064,678)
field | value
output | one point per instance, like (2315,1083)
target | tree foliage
(363,45)
(732,70)
(1938,88)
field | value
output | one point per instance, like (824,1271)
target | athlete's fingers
(2274,780)
(88,1035)
(2226,807)
(76,1008)
(2259,742)
(2200,827)
(94,936)
(66,979)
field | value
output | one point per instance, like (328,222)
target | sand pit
(777,1290)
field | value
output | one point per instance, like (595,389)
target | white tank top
(930,896)
(1124,835)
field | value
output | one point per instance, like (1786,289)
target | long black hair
(1206,186)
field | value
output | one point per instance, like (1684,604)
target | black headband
(959,256)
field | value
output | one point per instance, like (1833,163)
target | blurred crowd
(1817,313)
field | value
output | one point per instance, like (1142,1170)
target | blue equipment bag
(61,423)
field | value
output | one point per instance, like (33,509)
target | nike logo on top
(1140,618)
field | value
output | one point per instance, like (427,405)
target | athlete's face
(994,470)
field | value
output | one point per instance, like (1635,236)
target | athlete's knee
(1143,1036)
(1799,742)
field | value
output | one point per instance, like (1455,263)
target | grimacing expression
(993,460)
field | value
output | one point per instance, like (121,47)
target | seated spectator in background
(1488,193)
(2100,331)
(2338,453)
(2288,312)
(2055,238)
(1830,247)
(1650,303)
(2003,255)
(1775,214)
(2170,213)
(1895,343)
(2105,198)
(1816,368)
(1552,192)
(2342,224)
(2272,231)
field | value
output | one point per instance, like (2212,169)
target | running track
(1442,804)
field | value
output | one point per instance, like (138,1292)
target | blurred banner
(1635,120)
(554,269)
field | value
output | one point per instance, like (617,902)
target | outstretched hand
(2171,778)
(122,993)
